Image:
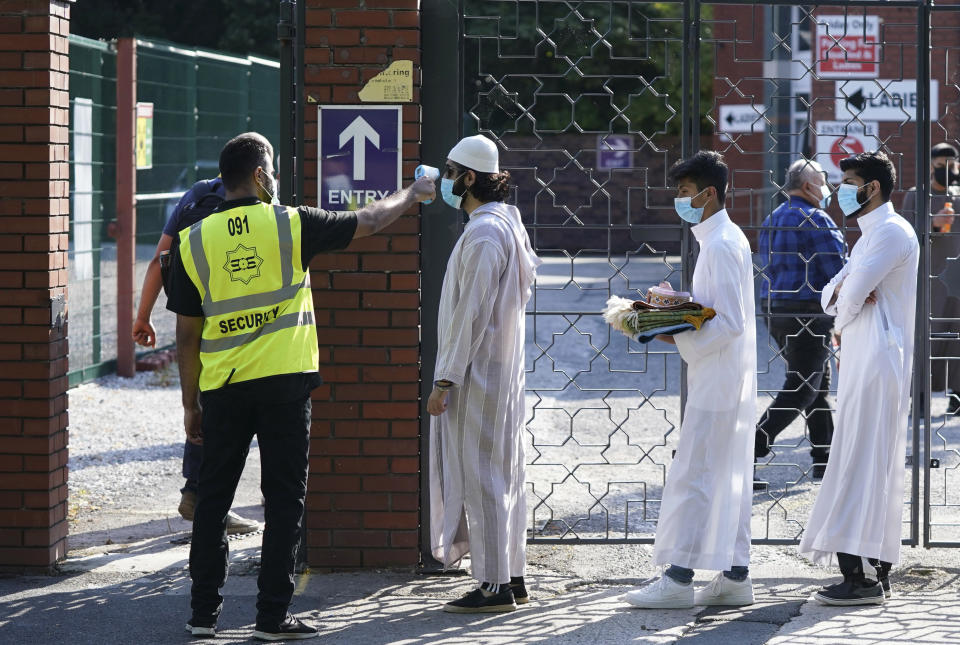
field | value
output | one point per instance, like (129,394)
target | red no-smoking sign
(844,147)
(837,140)
(848,46)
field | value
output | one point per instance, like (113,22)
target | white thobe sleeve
(724,264)
(827,294)
(482,263)
(883,254)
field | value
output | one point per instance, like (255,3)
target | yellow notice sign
(392,85)
(144,136)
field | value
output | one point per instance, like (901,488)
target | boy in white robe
(477,484)
(859,508)
(704,518)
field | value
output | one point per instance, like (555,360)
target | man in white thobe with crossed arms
(477,496)
(704,518)
(859,509)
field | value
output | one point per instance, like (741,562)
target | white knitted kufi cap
(477,153)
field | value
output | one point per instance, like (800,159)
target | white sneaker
(724,591)
(664,593)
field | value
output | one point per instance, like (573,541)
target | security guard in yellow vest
(247,353)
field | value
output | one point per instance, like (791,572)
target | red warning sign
(848,46)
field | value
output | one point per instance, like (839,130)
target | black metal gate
(590,102)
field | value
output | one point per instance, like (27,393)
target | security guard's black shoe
(477,603)
(854,590)
(818,471)
(202,627)
(519,590)
(289,630)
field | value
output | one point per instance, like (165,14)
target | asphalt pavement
(139,593)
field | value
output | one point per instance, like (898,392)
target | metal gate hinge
(934,463)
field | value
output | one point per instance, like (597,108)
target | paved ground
(138,593)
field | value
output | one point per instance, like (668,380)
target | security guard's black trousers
(279,415)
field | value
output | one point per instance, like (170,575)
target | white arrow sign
(882,100)
(744,117)
(360,131)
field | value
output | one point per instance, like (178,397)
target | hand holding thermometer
(428,171)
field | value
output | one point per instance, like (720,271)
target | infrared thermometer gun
(428,171)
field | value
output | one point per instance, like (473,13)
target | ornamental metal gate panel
(590,102)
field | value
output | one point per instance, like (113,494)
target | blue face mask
(446,191)
(848,199)
(825,199)
(686,210)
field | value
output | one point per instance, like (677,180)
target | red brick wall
(34,203)
(363,499)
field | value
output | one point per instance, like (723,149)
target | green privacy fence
(93,304)
(200,100)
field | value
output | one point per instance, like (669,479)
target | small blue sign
(360,153)
(614,151)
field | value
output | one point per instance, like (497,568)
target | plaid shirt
(796,264)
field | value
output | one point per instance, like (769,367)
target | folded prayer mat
(640,321)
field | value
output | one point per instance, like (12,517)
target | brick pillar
(362,505)
(34,220)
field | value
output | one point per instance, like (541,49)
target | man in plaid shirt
(800,250)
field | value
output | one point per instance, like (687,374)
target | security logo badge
(243,264)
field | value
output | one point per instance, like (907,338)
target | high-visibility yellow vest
(257,305)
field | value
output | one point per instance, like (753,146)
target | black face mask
(946,176)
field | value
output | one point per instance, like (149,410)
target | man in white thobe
(704,518)
(859,508)
(477,483)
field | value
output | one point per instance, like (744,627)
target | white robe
(860,504)
(705,514)
(477,483)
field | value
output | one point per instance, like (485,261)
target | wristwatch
(443,386)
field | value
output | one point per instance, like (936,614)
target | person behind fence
(202,199)
(944,202)
(704,518)
(248,360)
(858,511)
(800,249)
(477,489)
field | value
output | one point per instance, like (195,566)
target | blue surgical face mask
(446,191)
(686,210)
(848,199)
(825,199)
